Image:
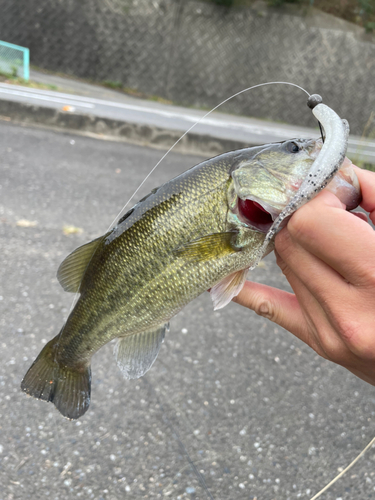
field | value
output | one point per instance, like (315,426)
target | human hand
(328,257)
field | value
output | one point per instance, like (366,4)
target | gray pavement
(232,396)
(91,108)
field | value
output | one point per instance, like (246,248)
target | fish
(199,231)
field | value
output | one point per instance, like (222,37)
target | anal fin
(224,291)
(136,353)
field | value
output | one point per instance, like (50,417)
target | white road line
(255,129)
(91,100)
(40,97)
(358,146)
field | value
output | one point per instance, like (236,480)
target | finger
(318,332)
(319,277)
(367,183)
(345,242)
(279,306)
(349,310)
(361,215)
(284,309)
(365,371)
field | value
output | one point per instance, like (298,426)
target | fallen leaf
(67,230)
(26,223)
(69,109)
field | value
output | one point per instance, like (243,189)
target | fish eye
(293,147)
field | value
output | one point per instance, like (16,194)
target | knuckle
(369,276)
(285,269)
(299,223)
(349,330)
(281,263)
(266,309)
(283,242)
(355,337)
(334,350)
(339,356)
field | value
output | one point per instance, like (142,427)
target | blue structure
(14,60)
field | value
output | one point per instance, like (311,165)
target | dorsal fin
(73,267)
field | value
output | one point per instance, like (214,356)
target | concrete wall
(197,53)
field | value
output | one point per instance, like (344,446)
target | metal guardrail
(14,60)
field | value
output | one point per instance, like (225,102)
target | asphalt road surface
(231,397)
(115,105)
(97,101)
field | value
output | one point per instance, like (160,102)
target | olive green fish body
(199,231)
(139,276)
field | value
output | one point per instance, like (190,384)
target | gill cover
(267,182)
(327,163)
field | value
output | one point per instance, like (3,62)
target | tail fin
(67,388)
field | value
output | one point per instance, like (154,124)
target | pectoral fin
(224,291)
(209,247)
(136,354)
(72,269)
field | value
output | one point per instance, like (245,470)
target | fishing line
(158,163)
(191,463)
(191,128)
(321,131)
(198,475)
(344,471)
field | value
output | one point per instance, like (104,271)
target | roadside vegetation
(114,85)
(16,80)
(132,92)
(360,12)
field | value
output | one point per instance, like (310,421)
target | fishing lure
(202,230)
(325,166)
(49,384)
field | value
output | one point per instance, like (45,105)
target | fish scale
(185,237)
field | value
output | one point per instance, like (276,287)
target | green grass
(16,80)
(113,85)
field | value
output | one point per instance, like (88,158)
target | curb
(106,128)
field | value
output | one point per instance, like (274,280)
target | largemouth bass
(199,231)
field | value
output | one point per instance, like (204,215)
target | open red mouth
(254,214)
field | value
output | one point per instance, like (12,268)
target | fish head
(264,183)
